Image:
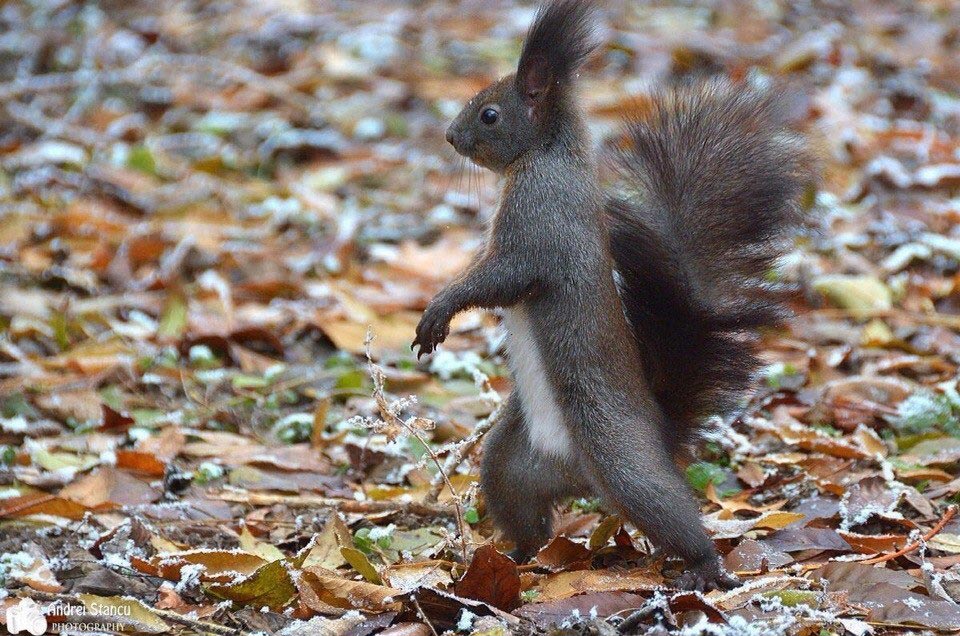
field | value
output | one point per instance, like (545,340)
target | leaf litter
(208,210)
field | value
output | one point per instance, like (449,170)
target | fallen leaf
(271,585)
(126,611)
(265,551)
(724,528)
(411,576)
(338,592)
(359,562)
(565,584)
(218,565)
(42,504)
(325,551)
(604,532)
(860,294)
(549,613)
(564,554)
(107,485)
(492,578)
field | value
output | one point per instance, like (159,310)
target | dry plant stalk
(392,425)
(459,451)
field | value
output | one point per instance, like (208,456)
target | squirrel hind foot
(706,577)
(521,556)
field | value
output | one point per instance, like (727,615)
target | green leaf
(173,318)
(586,505)
(700,474)
(362,540)
(147,418)
(250,382)
(413,542)
(359,562)
(17,404)
(112,396)
(270,585)
(294,428)
(340,360)
(140,158)
(351,379)
(417,448)
(793,598)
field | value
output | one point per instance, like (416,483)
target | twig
(910,547)
(391,419)
(463,448)
(344,505)
(882,558)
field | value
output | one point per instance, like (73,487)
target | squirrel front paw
(434,327)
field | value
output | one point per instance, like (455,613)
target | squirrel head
(517,113)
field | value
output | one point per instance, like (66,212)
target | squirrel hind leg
(521,484)
(642,483)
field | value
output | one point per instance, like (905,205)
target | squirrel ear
(559,42)
(535,81)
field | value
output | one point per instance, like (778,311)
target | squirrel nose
(451,137)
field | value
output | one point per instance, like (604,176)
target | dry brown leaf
(336,591)
(564,554)
(722,526)
(107,485)
(220,566)
(566,584)
(492,578)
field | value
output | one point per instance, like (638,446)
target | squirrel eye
(489,116)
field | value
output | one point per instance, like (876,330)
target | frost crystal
(466,620)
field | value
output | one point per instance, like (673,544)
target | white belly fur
(541,413)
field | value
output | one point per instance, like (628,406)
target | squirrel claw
(433,329)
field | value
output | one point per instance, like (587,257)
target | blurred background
(215,166)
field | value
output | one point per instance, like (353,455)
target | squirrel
(628,316)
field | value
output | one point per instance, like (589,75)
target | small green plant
(294,428)
(701,474)
(586,505)
(925,410)
(365,539)
(207,472)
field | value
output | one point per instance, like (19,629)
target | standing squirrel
(628,317)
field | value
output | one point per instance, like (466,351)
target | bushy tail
(717,179)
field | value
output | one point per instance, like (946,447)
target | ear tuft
(559,42)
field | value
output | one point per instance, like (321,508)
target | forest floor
(206,206)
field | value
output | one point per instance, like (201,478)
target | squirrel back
(717,177)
